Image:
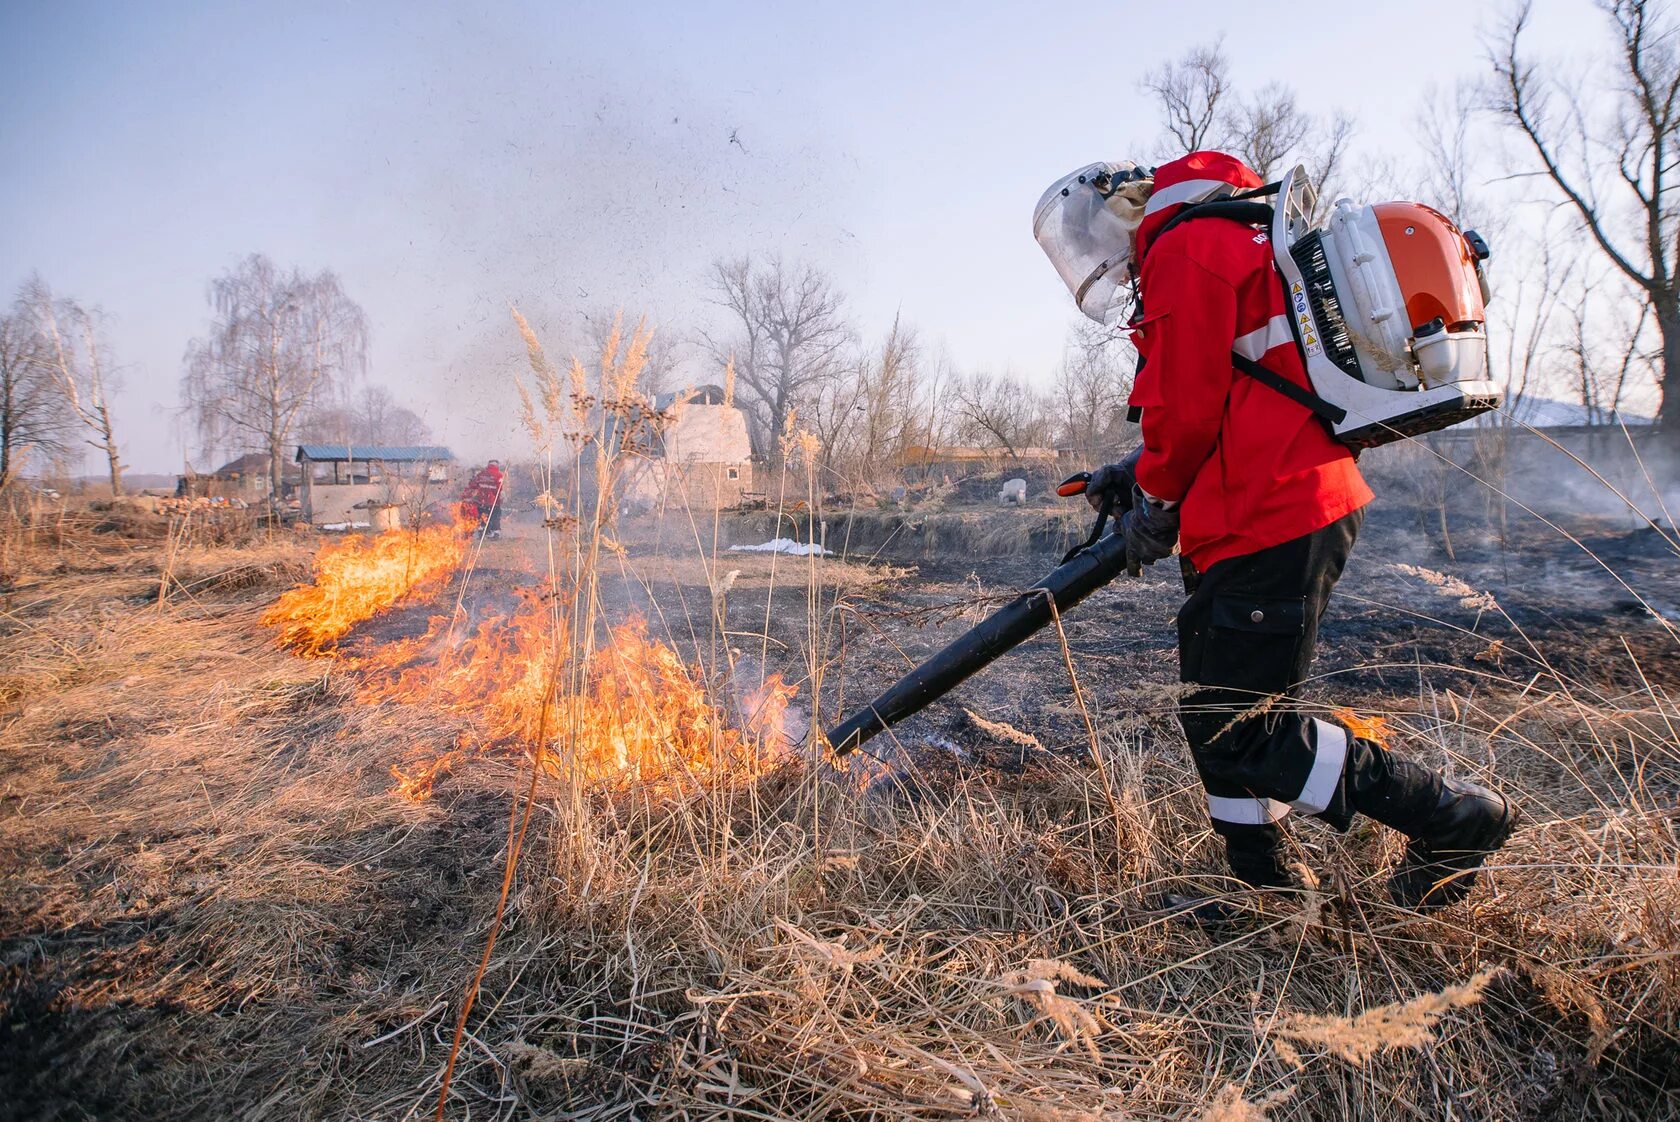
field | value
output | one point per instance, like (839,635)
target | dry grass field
(424,824)
(247,881)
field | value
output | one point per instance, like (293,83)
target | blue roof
(380,453)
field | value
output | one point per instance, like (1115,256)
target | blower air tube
(990,639)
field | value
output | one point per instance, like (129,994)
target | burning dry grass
(635,714)
(359,577)
(626,711)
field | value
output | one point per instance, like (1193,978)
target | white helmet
(1087,223)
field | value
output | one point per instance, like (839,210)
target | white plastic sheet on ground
(785,545)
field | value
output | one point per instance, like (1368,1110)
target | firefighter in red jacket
(1264,505)
(485,493)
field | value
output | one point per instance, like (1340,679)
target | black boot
(1257,854)
(1468,824)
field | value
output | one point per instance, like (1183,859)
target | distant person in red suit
(485,492)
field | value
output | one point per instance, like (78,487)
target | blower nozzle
(1082,573)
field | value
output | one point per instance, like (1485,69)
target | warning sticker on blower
(1304,321)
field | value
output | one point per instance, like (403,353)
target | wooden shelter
(343,483)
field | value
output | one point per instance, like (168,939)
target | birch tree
(72,346)
(278,344)
(33,418)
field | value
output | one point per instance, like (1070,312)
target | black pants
(1247,635)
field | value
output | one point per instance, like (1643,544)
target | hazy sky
(571,158)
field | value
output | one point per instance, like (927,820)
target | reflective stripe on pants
(1330,747)
(1245,812)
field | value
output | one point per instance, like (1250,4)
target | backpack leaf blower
(1389,305)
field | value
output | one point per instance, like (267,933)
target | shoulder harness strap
(1300,395)
(1247,212)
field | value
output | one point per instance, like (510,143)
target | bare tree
(890,403)
(874,409)
(1267,130)
(279,342)
(1325,153)
(1092,387)
(369,415)
(999,412)
(833,414)
(788,334)
(1579,350)
(1534,299)
(382,421)
(1191,92)
(1271,133)
(1600,379)
(1262,130)
(73,348)
(1444,127)
(1523,314)
(34,419)
(1615,173)
(1629,357)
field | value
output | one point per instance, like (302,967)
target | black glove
(1150,530)
(1114,480)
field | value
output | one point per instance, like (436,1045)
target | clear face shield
(1087,223)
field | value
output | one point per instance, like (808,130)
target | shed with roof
(343,485)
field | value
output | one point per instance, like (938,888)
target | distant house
(700,455)
(342,484)
(245,479)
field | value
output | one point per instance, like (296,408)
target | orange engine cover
(1431,261)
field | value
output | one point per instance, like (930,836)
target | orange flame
(634,713)
(359,577)
(627,712)
(415,782)
(1374,729)
(646,717)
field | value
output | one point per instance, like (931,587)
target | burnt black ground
(1408,621)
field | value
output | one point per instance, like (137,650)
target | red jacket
(1252,468)
(483,488)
